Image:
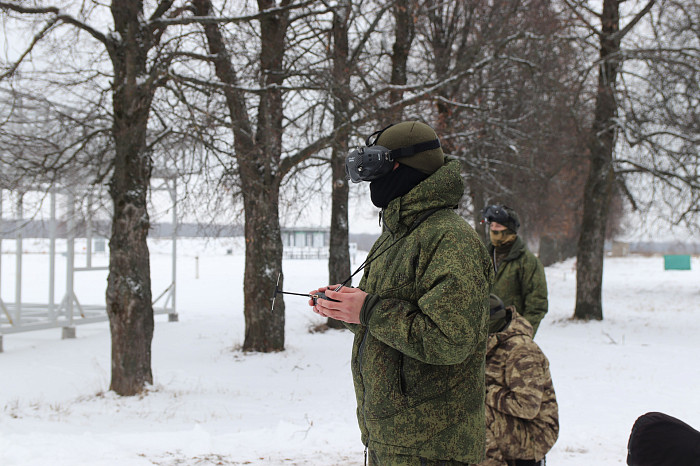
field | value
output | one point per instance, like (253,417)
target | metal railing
(21,316)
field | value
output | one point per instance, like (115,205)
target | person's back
(521,407)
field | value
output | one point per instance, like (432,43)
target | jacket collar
(444,188)
(516,250)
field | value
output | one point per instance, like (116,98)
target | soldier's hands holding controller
(340,303)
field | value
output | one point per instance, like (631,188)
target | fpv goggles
(371,162)
(498,214)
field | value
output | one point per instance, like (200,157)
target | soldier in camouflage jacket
(421,328)
(522,419)
(520,277)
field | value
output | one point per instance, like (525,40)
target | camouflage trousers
(376,458)
(509,438)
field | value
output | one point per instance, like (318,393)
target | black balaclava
(395,184)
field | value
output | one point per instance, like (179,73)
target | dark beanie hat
(502,214)
(409,133)
(514,222)
(658,439)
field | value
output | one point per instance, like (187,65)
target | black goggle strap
(414,149)
(377,134)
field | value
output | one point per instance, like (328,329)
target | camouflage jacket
(519,385)
(418,354)
(521,282)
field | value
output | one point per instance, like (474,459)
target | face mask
(395,184)
(502,238)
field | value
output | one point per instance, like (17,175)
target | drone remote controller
(321,295)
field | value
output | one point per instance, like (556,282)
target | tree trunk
(261,180)
(339,253)
(128,295)
(264,330)
(339,248)
(599,184)
(404,33)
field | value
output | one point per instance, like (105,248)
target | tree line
(573,112)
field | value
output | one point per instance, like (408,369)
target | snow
(212,404)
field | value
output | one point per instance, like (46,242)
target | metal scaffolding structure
(21,316)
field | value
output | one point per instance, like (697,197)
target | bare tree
(644,128)
(405,14)
(510,120)
(290,38)
(259,163)
(660,133)
(600,148)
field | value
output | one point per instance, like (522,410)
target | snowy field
(212,404)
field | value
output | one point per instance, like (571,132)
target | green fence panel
(677,262)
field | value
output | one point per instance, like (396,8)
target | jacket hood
(442,189)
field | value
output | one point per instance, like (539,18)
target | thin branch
(623,32)
(227,19)
(60,15)
(29,49)
(574,9)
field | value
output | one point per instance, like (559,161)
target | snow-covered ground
(212,404)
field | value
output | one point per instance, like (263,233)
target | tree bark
(404,33)
(339,253)
(260,174)
(599,184)
(128,293)
(264,330)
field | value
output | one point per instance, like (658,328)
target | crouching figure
(522,416)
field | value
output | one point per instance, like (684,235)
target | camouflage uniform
(521,282)
(418,354)
(522,419)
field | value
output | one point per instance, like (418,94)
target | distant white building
(305,243)
(305,237)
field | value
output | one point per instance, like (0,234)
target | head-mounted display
(371,162)
(368,163)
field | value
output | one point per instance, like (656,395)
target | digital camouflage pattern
(418,354)
(522,416)
(375,458)
(521,282)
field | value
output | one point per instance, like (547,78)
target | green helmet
(409,133)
